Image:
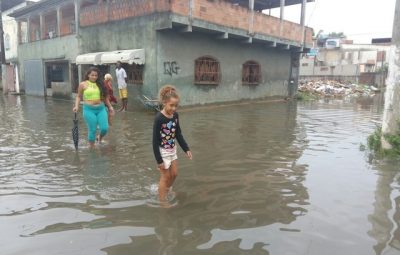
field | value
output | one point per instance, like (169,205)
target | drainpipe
(19,37)
(191,6)
(281,16)
(16,79)
(108,10)
(77,10)
(3,53)
(77,5)
(251,18)
(41,26)
(28,30)
(58,22)
(302,21)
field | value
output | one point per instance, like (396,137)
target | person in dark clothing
(166,131)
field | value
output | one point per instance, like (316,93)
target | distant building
(363,63)
(386,41)
(213,51)
(10,28)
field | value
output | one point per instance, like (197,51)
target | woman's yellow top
(92,92)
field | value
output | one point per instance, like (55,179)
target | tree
(336,35)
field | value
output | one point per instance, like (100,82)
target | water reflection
(267,178)
(386,215)
(253,182)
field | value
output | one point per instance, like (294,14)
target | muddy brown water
(266,178)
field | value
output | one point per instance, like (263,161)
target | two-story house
(211,50)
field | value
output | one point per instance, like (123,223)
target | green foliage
(306,96)
(394,141)
(383,69)
(374,141)
(375,144)
(336,35)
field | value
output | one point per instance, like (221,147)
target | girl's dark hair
(167,92)
(103,91)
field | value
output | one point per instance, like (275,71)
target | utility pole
(3,53)
(391,114)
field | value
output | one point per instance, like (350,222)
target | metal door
(34,78)
(10,80)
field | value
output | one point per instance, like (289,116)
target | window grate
(251,73)
(207,71)
(134,73)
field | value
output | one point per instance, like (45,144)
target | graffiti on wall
(171,68)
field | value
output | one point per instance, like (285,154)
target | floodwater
(266,178)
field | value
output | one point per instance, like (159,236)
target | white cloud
(360,20)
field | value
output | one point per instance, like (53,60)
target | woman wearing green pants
(95,100)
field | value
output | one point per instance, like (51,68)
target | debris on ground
(330,88)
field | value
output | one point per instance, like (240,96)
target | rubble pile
(330,88)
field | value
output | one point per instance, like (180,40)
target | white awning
(125,56)
(111,57)
(89,59)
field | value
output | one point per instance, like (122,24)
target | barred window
(207,71)
(134,73)
(251,73)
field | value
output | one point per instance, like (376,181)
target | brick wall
(222,13)
(218,12)
(180,7)
(119,10)
(92,15)
(33,29)
(66,22)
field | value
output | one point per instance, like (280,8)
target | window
(23,36)
(251,73)
(304,64)
(134,73)
(381,56)
(207,71)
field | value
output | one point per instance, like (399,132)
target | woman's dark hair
(103,90)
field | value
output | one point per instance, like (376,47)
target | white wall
(10,27)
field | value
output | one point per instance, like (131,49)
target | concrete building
(213,51)
(10,28)
(363,63)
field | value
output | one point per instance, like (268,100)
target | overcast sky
(360,20)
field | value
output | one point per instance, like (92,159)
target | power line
(312,13)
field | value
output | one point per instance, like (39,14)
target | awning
(125,56)
(89,59)
(111,57)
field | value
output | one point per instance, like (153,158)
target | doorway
(57,78)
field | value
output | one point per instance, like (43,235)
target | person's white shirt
(121,76)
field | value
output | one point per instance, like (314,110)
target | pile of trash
(330,88)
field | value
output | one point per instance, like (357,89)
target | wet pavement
(266,178)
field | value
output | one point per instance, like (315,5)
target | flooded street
(267,178)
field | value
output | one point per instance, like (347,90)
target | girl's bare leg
(173,173)
(163,184)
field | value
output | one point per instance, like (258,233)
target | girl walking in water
(166,131)
(95,100)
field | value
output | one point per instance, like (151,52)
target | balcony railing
(218,12)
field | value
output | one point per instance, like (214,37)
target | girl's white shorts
(168,155)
